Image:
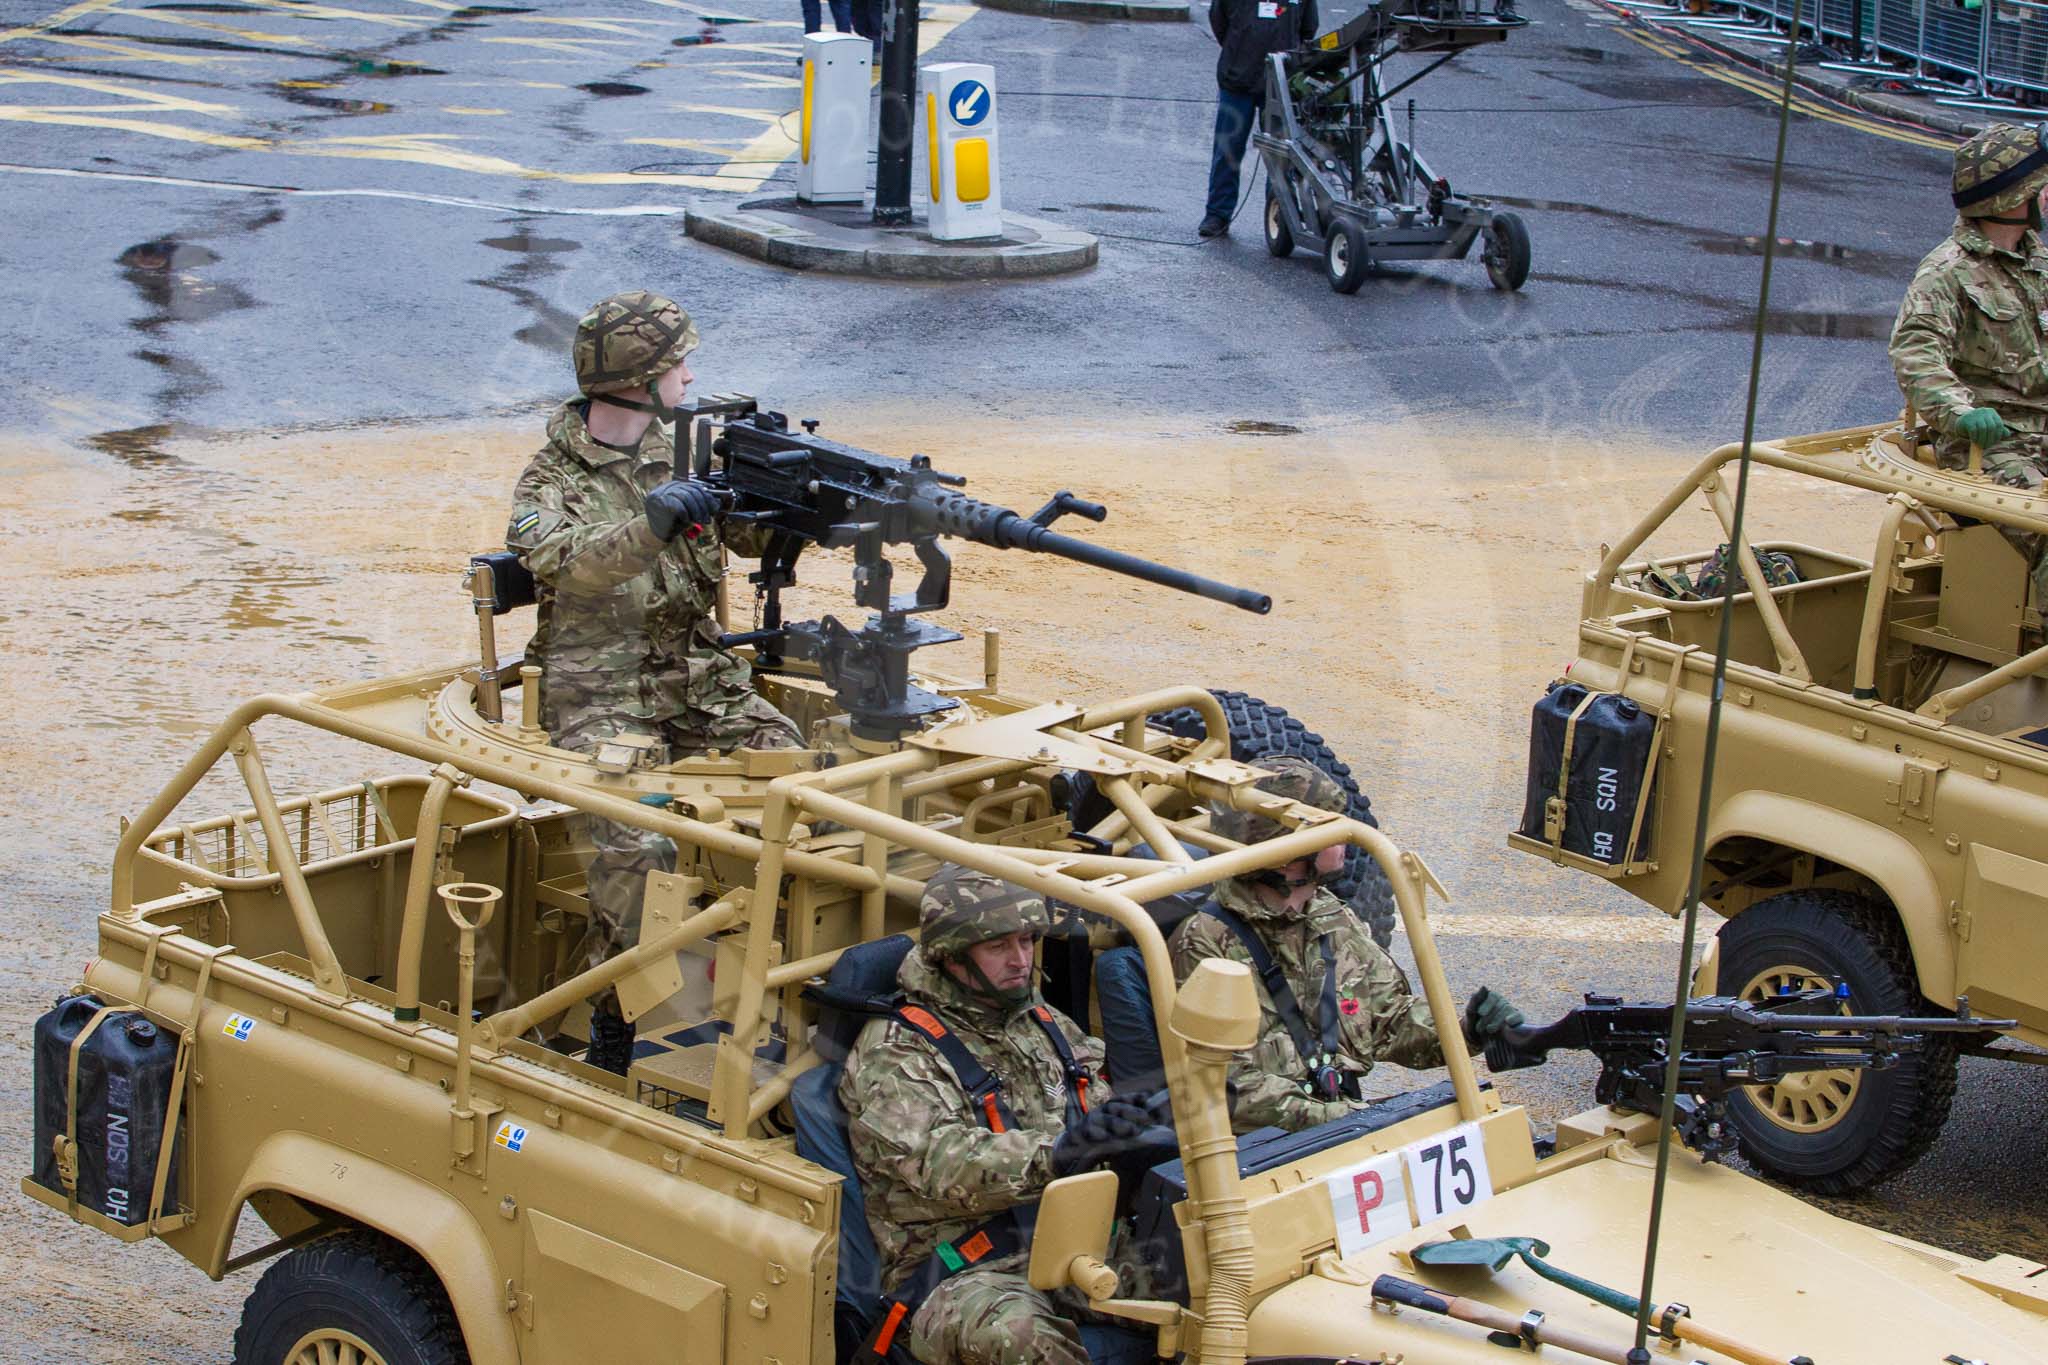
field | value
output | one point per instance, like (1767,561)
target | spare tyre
(1258,729)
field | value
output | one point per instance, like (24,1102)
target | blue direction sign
(969,103)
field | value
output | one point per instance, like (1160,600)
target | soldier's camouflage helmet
(962,907)
(2000,169)
(1294,778)
(628,341)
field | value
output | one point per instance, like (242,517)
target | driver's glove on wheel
(1111,1128)
(680,505)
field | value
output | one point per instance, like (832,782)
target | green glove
(1487,1013)
(1983,426)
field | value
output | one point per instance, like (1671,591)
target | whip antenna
(1667,1108)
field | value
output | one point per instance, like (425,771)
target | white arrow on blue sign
(970,103)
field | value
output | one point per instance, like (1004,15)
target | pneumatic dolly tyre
(1279,237)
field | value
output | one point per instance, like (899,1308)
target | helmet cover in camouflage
(962,907)
(630,340)
(1297,779)
(2000,169)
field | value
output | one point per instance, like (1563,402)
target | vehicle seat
(857,986)
(1130,1042)
(862,978)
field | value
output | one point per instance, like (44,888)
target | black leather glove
(680,505)
(1111,1128)
(1487,1013)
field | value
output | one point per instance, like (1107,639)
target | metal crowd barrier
(1983,51)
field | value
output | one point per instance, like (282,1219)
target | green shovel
(1673,1320)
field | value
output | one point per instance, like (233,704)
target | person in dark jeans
(842,15)
(1247,31)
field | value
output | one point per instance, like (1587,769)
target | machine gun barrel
(1729,1044)
(946,512)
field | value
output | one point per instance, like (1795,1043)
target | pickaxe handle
(1685,1329)
(1394,1289)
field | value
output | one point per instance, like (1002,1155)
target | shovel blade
(1491,1252)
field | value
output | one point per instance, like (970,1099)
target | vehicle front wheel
(1835,1132)
(355,1298)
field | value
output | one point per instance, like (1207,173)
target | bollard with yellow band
(832,119)
(959,103)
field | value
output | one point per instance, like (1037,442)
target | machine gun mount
(803,489)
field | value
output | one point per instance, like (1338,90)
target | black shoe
(1212,226)
(611,1043)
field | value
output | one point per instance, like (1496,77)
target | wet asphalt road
(453,207)
(245,221)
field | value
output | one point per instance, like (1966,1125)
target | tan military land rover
(1879,816)
(357,1013)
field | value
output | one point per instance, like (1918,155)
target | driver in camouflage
(1344,986)
(627,564)
(1971,344)
(930,1166)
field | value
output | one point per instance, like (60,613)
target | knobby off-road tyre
(356,1298)
(1846,1131)
(1261,730)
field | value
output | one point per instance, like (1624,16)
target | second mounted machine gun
(1729,1043)
(803,489)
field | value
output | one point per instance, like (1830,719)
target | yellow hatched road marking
(575,47)
(1800,104)
(312,11)
(187,21)
(57,20)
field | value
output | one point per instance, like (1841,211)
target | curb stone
(839,239)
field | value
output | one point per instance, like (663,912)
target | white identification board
(1447,1172)
(1369,1202)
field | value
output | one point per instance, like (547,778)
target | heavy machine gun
(1343,179)
(1729,1043)
(803,489)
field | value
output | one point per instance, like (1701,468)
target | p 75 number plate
(1395,1192)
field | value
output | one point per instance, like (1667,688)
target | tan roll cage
(1109,885)
(1878,460)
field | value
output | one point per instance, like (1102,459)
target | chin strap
(651,404)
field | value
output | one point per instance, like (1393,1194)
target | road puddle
(335,104)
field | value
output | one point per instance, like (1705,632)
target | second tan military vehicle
(1880,801)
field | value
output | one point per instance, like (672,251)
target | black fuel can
(125,1072)
(1610,756)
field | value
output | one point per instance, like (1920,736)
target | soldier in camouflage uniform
(1971,344)
(931,1166)
(628,574)
(1306,929)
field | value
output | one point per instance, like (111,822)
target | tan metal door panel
(587,1298)
(2003,927)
